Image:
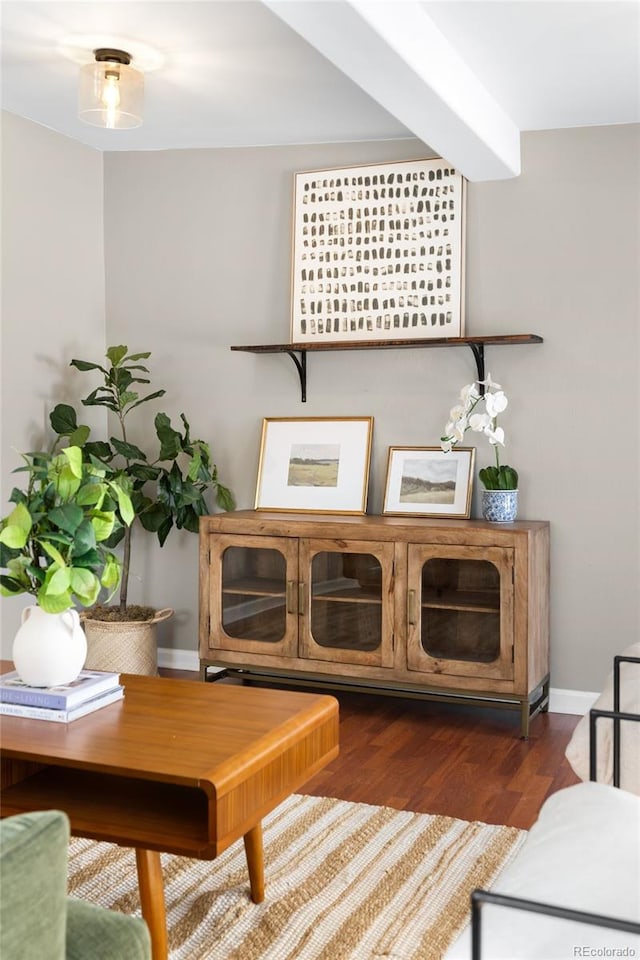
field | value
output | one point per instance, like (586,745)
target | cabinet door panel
(347,601)
(253,602)
(460,611)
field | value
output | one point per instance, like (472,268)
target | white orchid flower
(469,393)
(456,413)
(490,384)
(479,421)
(495,436)
(458,431)
(495,403)
(446,444)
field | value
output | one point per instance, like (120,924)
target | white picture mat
(353,436)
(462,459)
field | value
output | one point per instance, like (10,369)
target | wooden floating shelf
(476,345)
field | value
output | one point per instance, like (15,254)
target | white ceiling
(465,76)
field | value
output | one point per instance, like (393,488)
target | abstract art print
(426,482)
(316,464)
(378,253)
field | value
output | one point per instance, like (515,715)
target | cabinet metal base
(528,707)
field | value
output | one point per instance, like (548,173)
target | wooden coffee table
(177,766)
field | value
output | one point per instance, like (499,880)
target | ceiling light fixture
(111,91)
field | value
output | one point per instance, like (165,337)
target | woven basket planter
(124,646)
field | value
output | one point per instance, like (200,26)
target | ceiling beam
(395,53)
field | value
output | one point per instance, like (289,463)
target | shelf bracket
(477,350)
(301,366)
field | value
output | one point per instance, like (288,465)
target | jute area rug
(344,881)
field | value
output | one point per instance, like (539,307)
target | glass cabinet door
(254,606)
(346,601)
(460,611)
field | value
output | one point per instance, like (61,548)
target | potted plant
(500,496)
(167,489)
(54,545)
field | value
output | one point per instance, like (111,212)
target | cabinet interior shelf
(258,588)
(349,596)
(298,351)
(469,602)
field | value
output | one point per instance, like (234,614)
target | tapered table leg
(255,862)
(151,888)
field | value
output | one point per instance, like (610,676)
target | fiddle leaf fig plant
(53,544)
(167,487)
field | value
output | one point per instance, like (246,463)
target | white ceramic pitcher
(49,648)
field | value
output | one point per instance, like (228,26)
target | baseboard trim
(571,701)
(576,702)
(174,659)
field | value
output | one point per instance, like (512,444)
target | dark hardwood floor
(464,762)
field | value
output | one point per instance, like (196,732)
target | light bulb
(111,96)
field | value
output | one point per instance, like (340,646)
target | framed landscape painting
(426,482)
(378,253)
(316,464)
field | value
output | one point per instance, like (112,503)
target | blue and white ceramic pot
(500,506)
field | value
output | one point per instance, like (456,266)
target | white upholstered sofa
(583,854)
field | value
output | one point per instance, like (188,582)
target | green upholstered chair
(37,918)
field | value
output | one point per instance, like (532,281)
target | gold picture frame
(314,464)
(426,482)
(378,253)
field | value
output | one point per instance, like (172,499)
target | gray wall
(52,291)
(198,258)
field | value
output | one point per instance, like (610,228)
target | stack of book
(90,691)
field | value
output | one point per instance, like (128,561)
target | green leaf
(7,554)
(153,518)
(80,436)
(84,584)
(191,521)
(85,537)
(170,439)
(84,365)
(99,449)
(116,354)
(67,517)
(17,529)
(144,472)
(10,587)
(139,356)
(63,419)
(102,525)
(74,456)
(224,498)
(128,450)
(90,494)
(67,483)
(194,466)
(54,603)
(89,560)
(150,396)
(58,582)
(164,530)
(52,552)
(127,398)
(125,506)
(111,574)
(115,538)
(100,398)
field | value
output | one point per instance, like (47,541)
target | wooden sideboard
(456,610)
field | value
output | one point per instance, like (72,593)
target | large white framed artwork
(378,253)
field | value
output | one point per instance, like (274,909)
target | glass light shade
(111,95)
